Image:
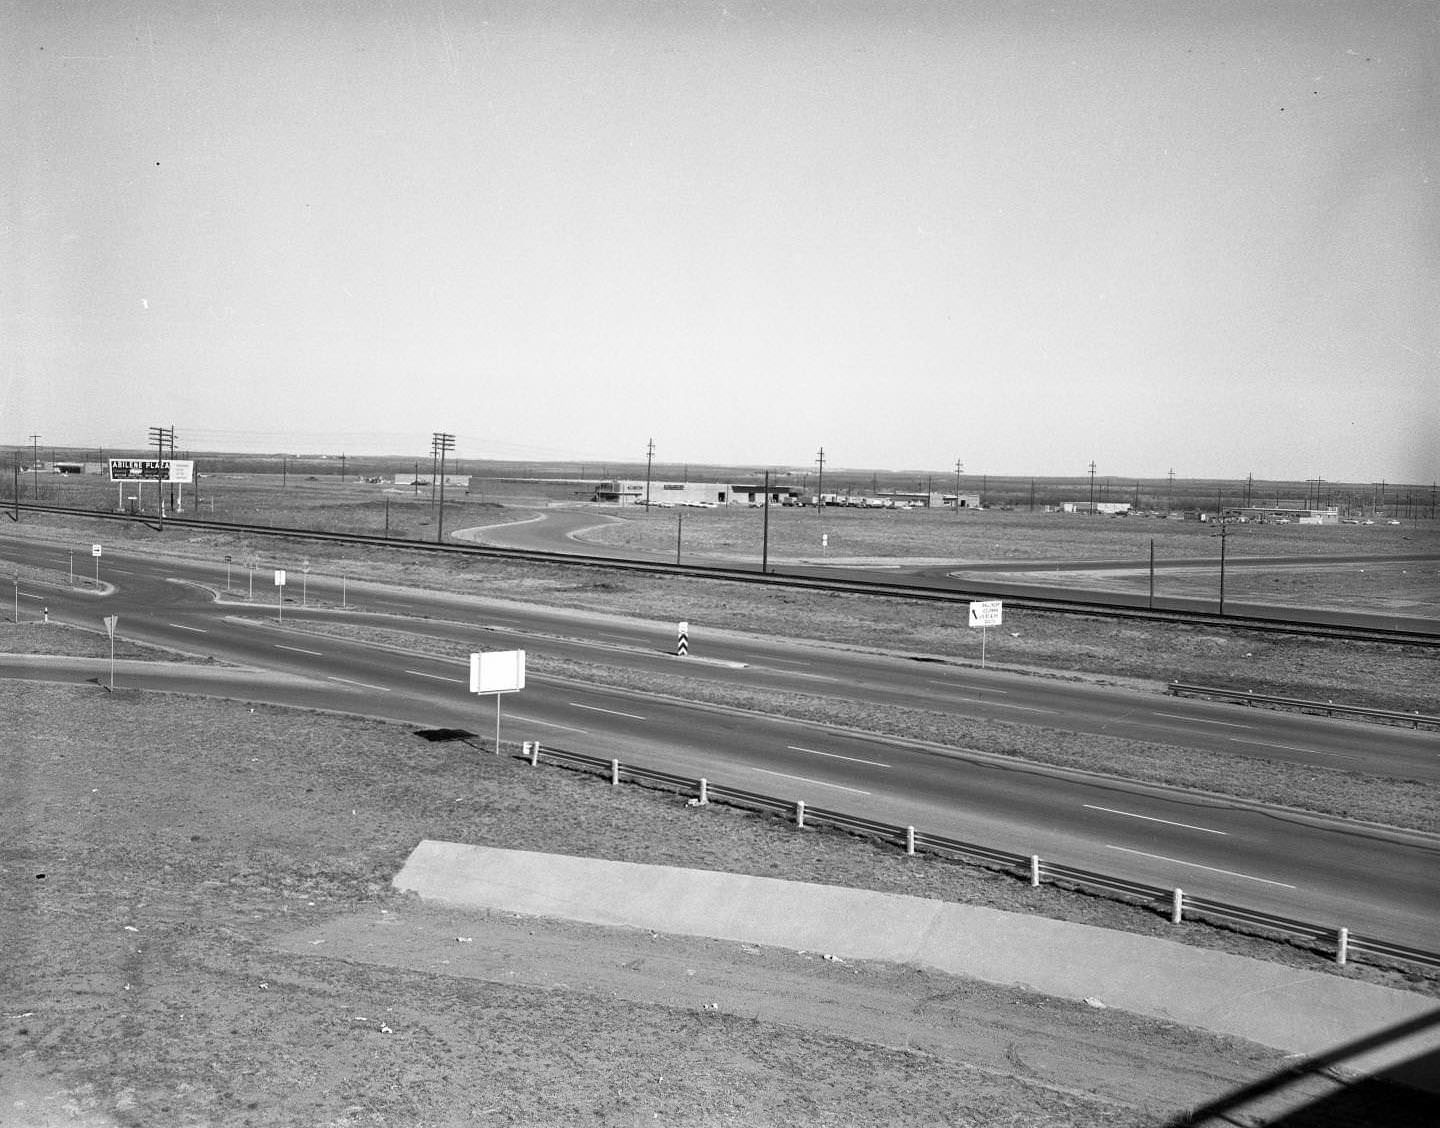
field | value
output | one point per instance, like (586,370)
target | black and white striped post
(682,647)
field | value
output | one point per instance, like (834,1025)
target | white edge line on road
(816,782)
(183,627)
(612,712)
(362,685)
(298,650)
(1202,720)
(1004,705)
(1197,865)
(836,756)
(959,685)
(437,677)
(1152,818)
(547,724)
(1282,747)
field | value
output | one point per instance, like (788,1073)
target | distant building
(1284,515)
(1103,508)
(705,494)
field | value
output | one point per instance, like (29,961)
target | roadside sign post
(682,646)
(280,584)
(95,552)
(985,613)
(227,574)
(498,672)
(110,621)
(304,580)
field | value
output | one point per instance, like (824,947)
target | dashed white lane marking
(816,782)
(1202,720)
(1152,818)
(1197,865)
(836,756)
(436,677)
(183,627)
(362,685)
(1282,747)
(547,724)
(955,685)
(300,650)
(611,712)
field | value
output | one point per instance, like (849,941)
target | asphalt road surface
(1372,881)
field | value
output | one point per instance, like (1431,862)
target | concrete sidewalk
(1297,1011)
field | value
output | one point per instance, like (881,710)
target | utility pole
(1092,487)
(158,435)
(765,535)
(35,463)
(342,465)
(1169,489)
(820,481)
(649,459)
(959,469)
(440,442)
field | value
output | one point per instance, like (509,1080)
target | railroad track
(1098,605)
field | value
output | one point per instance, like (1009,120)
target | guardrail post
(1034,869)
(614,773)
(704,792)
(799,813)
(1342,946)
(910,841)
(1177,905)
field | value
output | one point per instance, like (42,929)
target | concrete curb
(1296,1011)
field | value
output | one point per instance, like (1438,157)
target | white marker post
(682,645)
(497,672)
(280,583)
(110,621)
(985,613)
(95,552)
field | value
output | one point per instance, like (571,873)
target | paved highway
(1371,881)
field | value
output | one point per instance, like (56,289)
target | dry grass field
(175,860)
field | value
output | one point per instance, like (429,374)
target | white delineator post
(682,645)
(280,586)
(110,621)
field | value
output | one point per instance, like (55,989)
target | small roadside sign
(110,621)
(279,577)
(986,613)
(94,550)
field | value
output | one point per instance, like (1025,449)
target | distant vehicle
(1367,521)
(1392,521)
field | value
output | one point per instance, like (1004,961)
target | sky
(1189,236)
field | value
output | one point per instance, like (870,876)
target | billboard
(152,470)
(497,671)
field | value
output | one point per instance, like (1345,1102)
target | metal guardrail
(1338,942)
(1328,708)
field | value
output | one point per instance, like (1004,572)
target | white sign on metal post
(497,672)
(280,602)
(279,577)
(986,613)
(94,550)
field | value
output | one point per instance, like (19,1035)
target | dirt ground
(200,930)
